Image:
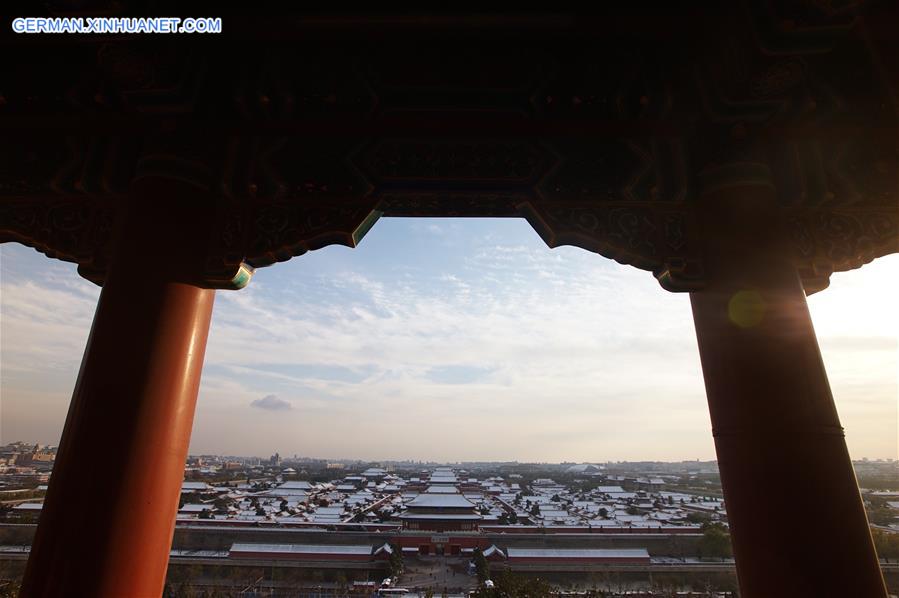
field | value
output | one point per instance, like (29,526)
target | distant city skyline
(447,340)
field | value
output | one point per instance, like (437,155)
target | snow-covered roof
(193,486)
(304,548)
(297,485)
(436,501)
(195,508)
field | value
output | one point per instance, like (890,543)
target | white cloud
(271,403)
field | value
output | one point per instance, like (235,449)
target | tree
(481,566)
(886,544)
(715,542)
(694,517)
(341,580)
(395,562)
(535,509)
(189,497)
(604,512)
(9,589)
(879,513)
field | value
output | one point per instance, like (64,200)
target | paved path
(437,573)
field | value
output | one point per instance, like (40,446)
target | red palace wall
(450,543)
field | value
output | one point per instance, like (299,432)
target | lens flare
(746,309)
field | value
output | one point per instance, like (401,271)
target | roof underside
(299,131)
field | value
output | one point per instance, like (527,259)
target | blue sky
(450,340)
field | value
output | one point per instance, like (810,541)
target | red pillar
(108,519)
(797,520)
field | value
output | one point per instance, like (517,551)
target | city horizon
(286,457)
